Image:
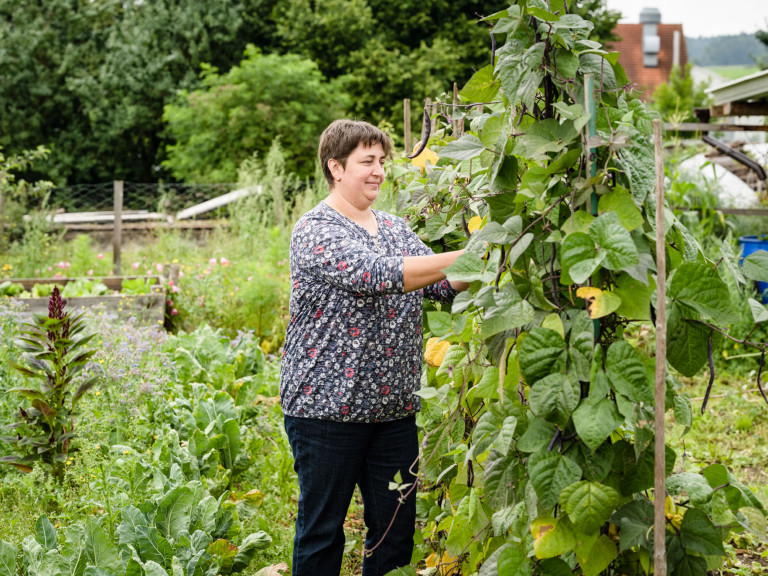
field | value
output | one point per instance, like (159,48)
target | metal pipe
(736,155)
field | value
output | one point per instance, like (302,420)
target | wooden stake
(117,231)
(407,144)
(659,517)
(428,108)
(454,121)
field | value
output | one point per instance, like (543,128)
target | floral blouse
(353,347)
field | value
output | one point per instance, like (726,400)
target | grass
(733,72)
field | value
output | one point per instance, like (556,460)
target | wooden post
(659,492)
(117,230)
(407,144)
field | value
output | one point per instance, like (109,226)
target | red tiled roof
(631,55)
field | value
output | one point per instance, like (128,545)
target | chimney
(650,18)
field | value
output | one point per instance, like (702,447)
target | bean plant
(538,417)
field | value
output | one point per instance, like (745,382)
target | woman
(353,355)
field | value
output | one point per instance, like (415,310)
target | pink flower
(224,261)
(181,274)
(90,272)
(61,264)
(135,265)
(57,275)
(212,261)
(100,256)
(159,267)
(174,312)
(170,302)
(175,289)
(249,278)
(237,288)
(50,268)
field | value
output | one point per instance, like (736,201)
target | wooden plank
(183,225)
(111,282)
(90,217)
(217,202)
(144,307)
(701,127)
(732,211)
(740,109)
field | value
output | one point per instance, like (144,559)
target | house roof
(752,87)
(630,48)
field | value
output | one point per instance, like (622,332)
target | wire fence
(165,198)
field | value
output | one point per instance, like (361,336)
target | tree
(676,98)
(603,19)
(242,111)
(89,79)
(762,35)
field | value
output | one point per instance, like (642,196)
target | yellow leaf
(435,351)
(599,303)
(421,159)
(475,223)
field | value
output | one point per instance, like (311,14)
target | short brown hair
(340,139)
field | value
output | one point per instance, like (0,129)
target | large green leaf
(634,521)
(45,533)
(98,547)
(8,554)
(499,478)
(600,556)
(544,136)
(695,485)
(755,266)
(248,548)
(620,250)
(635,297)
(542,352)
(74,551)
(699,286)
(466,268)
(233,446)
(481,87)
(595,419)
(581,345)
(175,508)
(552,537)
(537,436)
(699,535)
(550,473)
(497,319)
(466,148)
(131,519)
(627,373)
(555,397)
(687,343)
(618,200)
(151,546)
(589,504)
(493,432)
(579,258)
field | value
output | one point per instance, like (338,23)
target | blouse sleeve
(441,291)
(329,251)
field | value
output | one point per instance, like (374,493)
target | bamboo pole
(428,109)
(659,517)
(407,144)
(117,231)
(589,106)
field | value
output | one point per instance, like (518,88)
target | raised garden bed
(140,296)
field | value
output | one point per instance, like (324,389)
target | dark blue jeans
(330,459)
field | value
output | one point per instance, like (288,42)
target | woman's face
(361,178)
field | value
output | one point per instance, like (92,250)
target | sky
(701,17)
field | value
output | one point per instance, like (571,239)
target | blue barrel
(749,245)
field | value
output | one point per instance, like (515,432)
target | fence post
(406,126)
(117,230)
(659,492)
